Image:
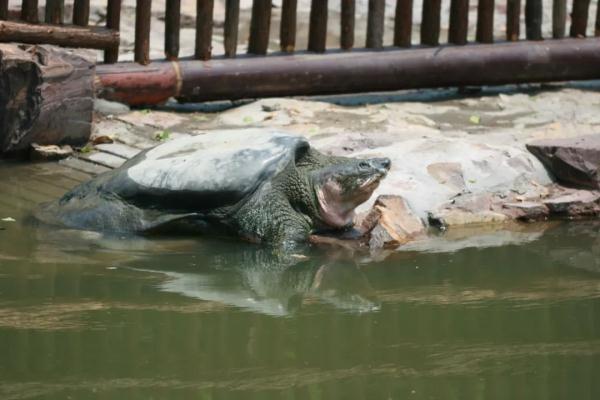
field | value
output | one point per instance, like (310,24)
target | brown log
(403,23)
(55,10)
(29,11)
(260,26)
(113,22)
(3,9)
(81,12)
(579,18)
(204,27)
(459,22)
(348,16)
(230,30)
(172,28)
(559,18)
(317,35)
(287,29)
(49,103)
(375,24)
(143,16)
(68,36)
(430,22)
(533,19)
(485,21)
(353,72)
(513,20)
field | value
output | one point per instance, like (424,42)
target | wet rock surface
(575,162)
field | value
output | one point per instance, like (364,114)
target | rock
(575,161)
(110,107)
(575,203)
(49,153)
(449,174)
(526,210)
(391,223)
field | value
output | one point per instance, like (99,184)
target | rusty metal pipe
(351,72)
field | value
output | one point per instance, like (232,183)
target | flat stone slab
(574,162)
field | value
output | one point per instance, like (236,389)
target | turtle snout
(382,165)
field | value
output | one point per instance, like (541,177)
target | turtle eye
(363,165)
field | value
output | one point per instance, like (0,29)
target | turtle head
(340,188)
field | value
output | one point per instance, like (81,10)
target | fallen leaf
(162,135)
(475,119)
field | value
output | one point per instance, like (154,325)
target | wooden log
(559,18)
(172,28)
(317,35)
(375,24)
(49,103)
(459,22)
(430,22)
(54,11)
(204,27)
(3,9)
(579,18)
(260,26)
(143,17)
(29,11)
(113,22)
(287,29)
(513,20)
(81,12)
(353,72)
(348,16)
(485,21)
(533,19)
(403,23)
(68,36)
(230,30)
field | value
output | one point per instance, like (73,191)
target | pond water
(84,316)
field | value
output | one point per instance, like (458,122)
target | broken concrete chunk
(391,223)
(49,153)
(574,162)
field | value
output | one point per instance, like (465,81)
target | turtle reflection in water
(267,187)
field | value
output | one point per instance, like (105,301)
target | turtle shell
(204,172)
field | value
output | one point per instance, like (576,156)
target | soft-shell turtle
(269,187)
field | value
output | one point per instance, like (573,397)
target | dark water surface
(84,316)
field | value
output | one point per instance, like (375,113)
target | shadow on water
(89,316)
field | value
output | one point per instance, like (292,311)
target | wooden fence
(55,30)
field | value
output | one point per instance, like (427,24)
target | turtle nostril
(385,163)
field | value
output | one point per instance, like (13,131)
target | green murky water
(89,317)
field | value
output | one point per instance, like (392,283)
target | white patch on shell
(225,160)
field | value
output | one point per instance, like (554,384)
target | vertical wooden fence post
(403,23)
(347,24)
(375,24)
(113,21)
(81,12)
(559,18)
(172,28)
(204,27)
(317,35)
(3,9)
(513,20)
(260,26)
(29,11)
(54,11)
(230,30)
(485,21)
(143,17)
(579,18)
(430,22)
(287,29)
(459,22)
(533,19)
